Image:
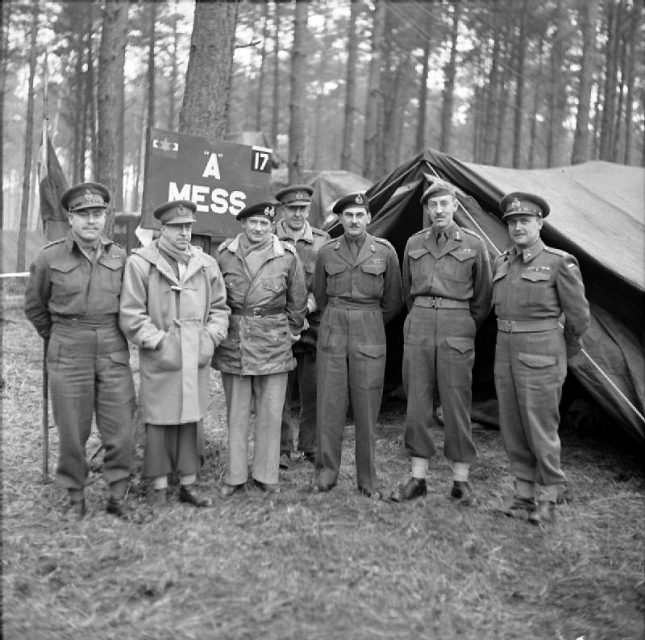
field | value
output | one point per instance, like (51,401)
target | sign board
(221,178)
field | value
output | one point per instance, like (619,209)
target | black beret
(176,212)
(266,209)
(525,204)
(351,200)
(86,195)
(297,194)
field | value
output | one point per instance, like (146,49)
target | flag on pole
(52,185)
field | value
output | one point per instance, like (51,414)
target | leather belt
(88,321)
(343,303)
(258,312)
(527,326)
(437,302)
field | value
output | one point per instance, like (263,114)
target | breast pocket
(460,266)
(337,279)
(421,265)
(67,282)
(372,278)
(536,287)
(110,274)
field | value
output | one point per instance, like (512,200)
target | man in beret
(173,307)
(533,286)
(72,299)
(357,286)
(447,288)
(267,295)
(293,227)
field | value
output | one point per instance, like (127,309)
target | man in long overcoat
(266,292)
(173,307)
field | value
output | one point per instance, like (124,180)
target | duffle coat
(266,308)
(176,322)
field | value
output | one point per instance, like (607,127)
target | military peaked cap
(176,212)
(519,203)
(295,195)
(86,195)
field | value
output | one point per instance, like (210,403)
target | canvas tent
(597,215)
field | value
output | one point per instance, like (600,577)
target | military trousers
(438,356)
(305,375)
(89,374)
(530,368)
(350,366)
(266,393)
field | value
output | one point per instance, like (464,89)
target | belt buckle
(507,326)
(257,312)
(433,302)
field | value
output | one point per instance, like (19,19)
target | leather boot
(188,495)
(413,488)
(462,492)
(543,514)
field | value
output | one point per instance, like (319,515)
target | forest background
(359,85)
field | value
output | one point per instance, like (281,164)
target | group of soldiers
(282,305)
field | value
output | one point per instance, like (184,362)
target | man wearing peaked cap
(173,308)
(533,286)
(72,299)
(447,288)
(294,228)
(357,286)
(268,299)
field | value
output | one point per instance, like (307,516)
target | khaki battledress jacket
(176,322)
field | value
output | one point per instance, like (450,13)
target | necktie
(441,239)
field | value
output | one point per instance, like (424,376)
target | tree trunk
(318,145)
(5,19)
(374,97)
(609,93)
(556,94)
(537,95)
(29,139)
(519,89)
(489,121)
(297,102)
(423,97)
(629,72)
(152,8)
(588,18)
(263,65)
(111,98)
(275,113)
(174,72)
(350,90)
(204,111)
(450,71)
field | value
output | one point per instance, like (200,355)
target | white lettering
(219,197)
(176,194)
(238,202)
(199,195)
(212,167)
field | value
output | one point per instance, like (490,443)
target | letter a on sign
(212,167)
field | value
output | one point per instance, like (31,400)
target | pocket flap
(463,345)
(535,276)
(462,254)
(120,357)
(64,266)
(371,350)
(415,254)
(111,262)
(536,361)
(335,268)
(375,269)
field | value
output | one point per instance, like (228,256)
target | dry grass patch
(318,566)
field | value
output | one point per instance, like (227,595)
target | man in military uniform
(173,308)
(294,228)
(72,299)
(447,288)
(532,286)
(267,295)
(357,286)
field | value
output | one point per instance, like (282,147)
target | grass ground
(316,566)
